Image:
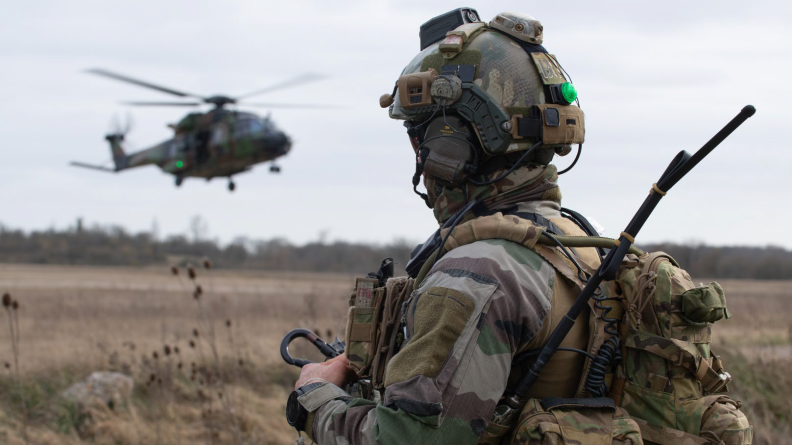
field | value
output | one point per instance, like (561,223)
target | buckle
(719,384)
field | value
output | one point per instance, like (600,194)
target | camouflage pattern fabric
(525,184)
(479,305)
(669,378)
(575,424)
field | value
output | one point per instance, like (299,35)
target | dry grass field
(230,386)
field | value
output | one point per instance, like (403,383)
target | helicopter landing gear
(274,168)
(231,185)
(179,181)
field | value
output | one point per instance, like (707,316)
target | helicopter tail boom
(119,156)
(91,166)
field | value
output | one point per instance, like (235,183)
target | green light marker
(569,92)
(179,164)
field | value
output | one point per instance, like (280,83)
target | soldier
(487,108)
(481,304)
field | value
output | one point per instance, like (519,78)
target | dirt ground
(75,320)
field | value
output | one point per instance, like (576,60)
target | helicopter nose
(286,142)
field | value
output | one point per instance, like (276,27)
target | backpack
(669,380)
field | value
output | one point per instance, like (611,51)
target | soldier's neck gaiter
(528,183)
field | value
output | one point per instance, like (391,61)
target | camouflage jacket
(479,305)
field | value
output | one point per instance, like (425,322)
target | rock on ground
(111,388)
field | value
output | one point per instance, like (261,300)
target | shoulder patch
(438,319)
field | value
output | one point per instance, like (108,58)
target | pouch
(704,304)
(557,421)
(363,325)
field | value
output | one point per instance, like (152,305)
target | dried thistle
(197,292)
(152,377)
(174,270)
(329,333)
(6,299)
(7,365)
(207,264)
(219,394)
(241,363)
(191,272)
(192,344)
(228,323)
(179,365)
(155,355)
(166,349)
(15,305)
(195,332)
(176,350)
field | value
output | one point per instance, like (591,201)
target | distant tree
(199,229)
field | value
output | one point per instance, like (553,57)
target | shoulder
(514,270)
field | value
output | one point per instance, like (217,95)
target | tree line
(115,246)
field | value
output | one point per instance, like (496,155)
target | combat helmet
(483,97)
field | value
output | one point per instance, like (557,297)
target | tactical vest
(667,389)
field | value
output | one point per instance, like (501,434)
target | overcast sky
(652,80)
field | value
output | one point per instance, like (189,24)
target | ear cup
(452,154)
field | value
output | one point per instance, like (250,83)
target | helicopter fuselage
(219,143)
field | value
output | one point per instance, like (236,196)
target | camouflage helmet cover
(504,70)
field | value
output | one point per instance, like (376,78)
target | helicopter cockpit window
(256,126)
(247,127)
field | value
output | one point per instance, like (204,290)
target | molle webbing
(680,354)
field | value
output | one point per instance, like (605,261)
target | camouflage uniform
(479,305)
(494,293)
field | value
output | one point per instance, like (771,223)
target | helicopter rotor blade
(122,78)
(303,78)
(162,104)
(295,106)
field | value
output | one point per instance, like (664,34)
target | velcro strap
(530,127)
(667,436)
(549,427)
(320,395)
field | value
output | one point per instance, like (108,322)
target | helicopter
(219,143)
